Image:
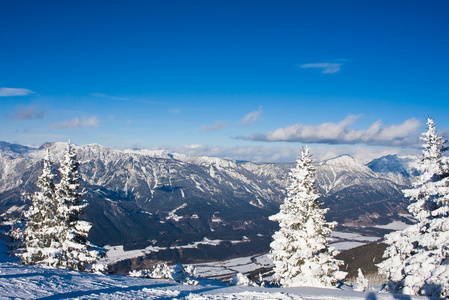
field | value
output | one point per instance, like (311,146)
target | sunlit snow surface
(232,266)
(345,240)
(30,282)
(396,225)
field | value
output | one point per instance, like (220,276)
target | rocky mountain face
(359,195)
(139,197)
(398,169)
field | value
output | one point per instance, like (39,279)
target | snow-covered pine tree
(300,250)
(77,252)
(417,256)
(361,283)
(41,245)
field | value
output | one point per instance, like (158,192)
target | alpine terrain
(141,198)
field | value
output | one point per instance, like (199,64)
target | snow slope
(30,282)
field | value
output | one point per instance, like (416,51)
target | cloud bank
(327,68)
(286,154)
(12,92)
(404,134)
(77,123)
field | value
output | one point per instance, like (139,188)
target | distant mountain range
(140,197)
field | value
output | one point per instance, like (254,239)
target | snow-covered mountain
(399,169)
(141,197)
(356,194)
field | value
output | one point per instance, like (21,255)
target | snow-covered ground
(222,269)
(30,282)
(396,225)
(339,240)
(345,240)
(117,253)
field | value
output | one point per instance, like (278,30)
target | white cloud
(252,117)
(216,127)
(404,134)
(328,68)
(77,123)
(104,96)
(364,154)
(28,112)
(194,146)
(254,154)
(11,92)
(286,154)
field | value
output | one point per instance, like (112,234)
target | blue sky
(251,80)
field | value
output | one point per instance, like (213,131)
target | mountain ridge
(140,197)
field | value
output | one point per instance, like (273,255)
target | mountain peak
(14,148)
(398,169)
(344,161)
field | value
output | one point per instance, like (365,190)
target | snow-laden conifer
(240,279)
(300,250)
(162,271)
(417,256)
(40,236)
(361,283)
(53,235)
(77,253)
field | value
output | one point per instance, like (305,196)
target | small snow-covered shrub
(99,268)
(162,271)
(240,279)
(139,273)
(184,275)
(361,284)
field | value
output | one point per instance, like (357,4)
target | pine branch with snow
(300,250)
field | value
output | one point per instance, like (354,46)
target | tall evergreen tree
(417,256)
(40,234)
(300,250)
(77,252)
